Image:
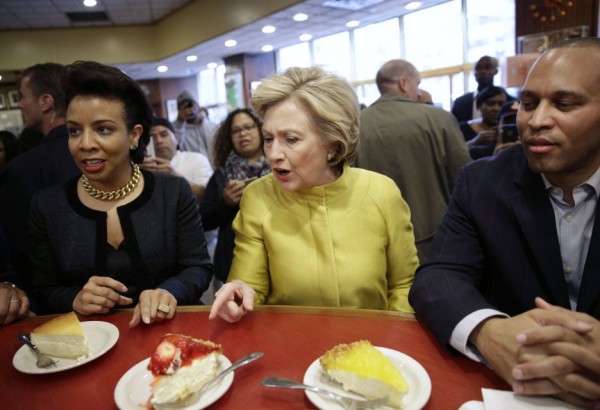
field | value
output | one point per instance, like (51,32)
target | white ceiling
(44,14)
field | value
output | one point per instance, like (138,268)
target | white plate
(472,405)
(133,390)
(101,337)
(417,378)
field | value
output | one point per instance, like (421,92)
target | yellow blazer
(346,244)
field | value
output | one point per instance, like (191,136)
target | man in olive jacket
(417,145)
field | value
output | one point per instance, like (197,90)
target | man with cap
(196,132)
(193,166)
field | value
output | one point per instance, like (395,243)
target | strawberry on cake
(181,365)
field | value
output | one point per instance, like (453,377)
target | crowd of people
(317,202)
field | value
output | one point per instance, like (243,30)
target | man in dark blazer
(513,277)
(43,105)
(464,108)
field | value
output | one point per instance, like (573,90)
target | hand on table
(155,305)
(232,193)
(560,358)
(14,303)
(496,340)
(233,301)
(99,295)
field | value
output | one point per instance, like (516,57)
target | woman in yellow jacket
(316,232)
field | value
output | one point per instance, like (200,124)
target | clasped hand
(101,293)
(233,301)
(547,351)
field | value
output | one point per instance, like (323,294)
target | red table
(290,337)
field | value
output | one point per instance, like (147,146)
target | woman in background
(116,236)
(481,134)
(317,232)
(238,160)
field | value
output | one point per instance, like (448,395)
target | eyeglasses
(238,131)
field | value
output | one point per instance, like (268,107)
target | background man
(424,97)
(192,166)
(417,145)
(43,105)
(196,132)
(524,224)
(465,108)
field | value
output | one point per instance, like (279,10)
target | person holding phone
(481,134)
(239,160)
(168,159)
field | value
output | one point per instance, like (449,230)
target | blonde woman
(316,232)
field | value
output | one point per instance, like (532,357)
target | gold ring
(164,308)
(15,301)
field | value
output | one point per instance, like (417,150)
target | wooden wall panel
(583,13)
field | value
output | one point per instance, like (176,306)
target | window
(465,30)
(491,29)
(374,45)
(444,49)
(297,55)
(333,53)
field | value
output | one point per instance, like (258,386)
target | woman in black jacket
(116,236)
(238,160)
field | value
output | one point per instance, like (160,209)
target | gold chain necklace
(112,195)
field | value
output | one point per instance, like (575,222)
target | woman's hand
(484,138)
(99,295)
(232,193)
(155,305)
(233,301)
(14,303)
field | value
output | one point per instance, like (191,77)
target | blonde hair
(330,99)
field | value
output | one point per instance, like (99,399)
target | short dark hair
(487,93)
(47,78)
(223,144)
(90,78)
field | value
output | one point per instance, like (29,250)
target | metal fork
(346,402)
(43,361)
(190,399)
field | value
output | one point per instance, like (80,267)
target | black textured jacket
(164,244)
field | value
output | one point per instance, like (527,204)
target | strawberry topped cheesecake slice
(181,365)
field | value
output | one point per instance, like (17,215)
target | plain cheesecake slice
(63,337)
(363,369)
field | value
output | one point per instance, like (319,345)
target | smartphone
(150,149)
(248,180)
(510,133)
